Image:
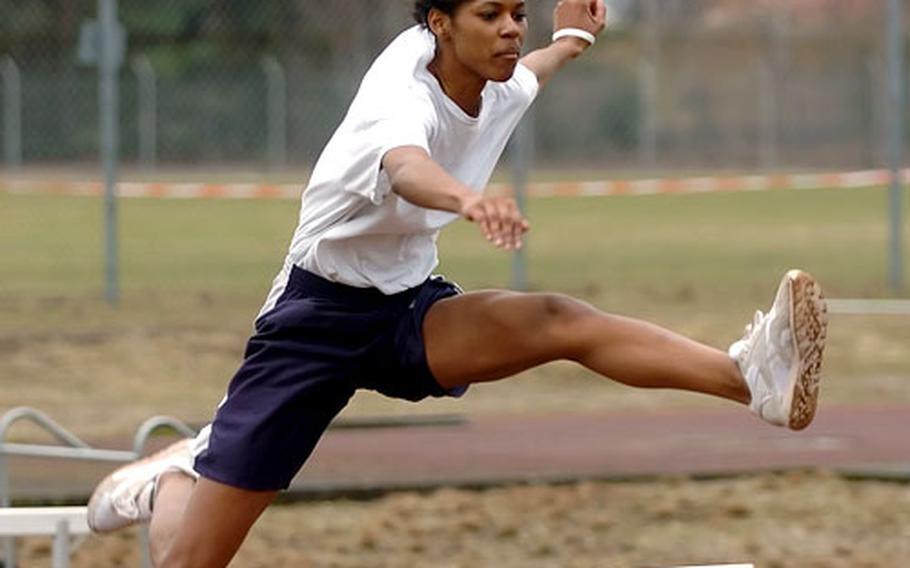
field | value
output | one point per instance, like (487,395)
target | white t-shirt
(352,228)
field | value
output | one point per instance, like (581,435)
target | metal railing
(60,522)
(70,447)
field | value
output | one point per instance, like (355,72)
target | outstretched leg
(775,369)
(485,336)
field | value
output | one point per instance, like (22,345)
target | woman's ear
(439,23)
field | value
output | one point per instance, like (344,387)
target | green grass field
(195,272)
(52,245)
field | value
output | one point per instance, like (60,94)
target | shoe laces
(751,330)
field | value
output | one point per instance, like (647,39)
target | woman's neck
(458,82)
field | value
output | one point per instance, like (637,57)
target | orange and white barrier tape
(858,179)
(155,189)
(868,178)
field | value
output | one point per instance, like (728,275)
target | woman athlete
(355,305)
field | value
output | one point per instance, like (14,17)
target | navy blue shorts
(320,343)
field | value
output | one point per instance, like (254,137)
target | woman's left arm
(585,15)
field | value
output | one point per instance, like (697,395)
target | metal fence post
(770,61)
(895,122)
(148,110)
(522,158)
(648,80)
(109,111)
(276,85)
(12,113)
(767,113)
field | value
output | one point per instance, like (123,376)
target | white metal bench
(61,522)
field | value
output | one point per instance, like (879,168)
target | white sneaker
(780,355)
(125,497)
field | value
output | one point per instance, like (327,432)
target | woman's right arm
(417,178)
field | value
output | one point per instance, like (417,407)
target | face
(485,36)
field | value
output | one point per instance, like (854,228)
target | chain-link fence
(673,84)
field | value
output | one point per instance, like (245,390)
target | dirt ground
(797,519)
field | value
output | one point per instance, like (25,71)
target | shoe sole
(809,322)
(113,479)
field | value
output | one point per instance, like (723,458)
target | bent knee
(560,314)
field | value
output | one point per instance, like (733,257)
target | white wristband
(574,32)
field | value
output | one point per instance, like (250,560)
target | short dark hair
(422,8)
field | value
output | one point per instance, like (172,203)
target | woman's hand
(585,15)
(588,15)
(499,219)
